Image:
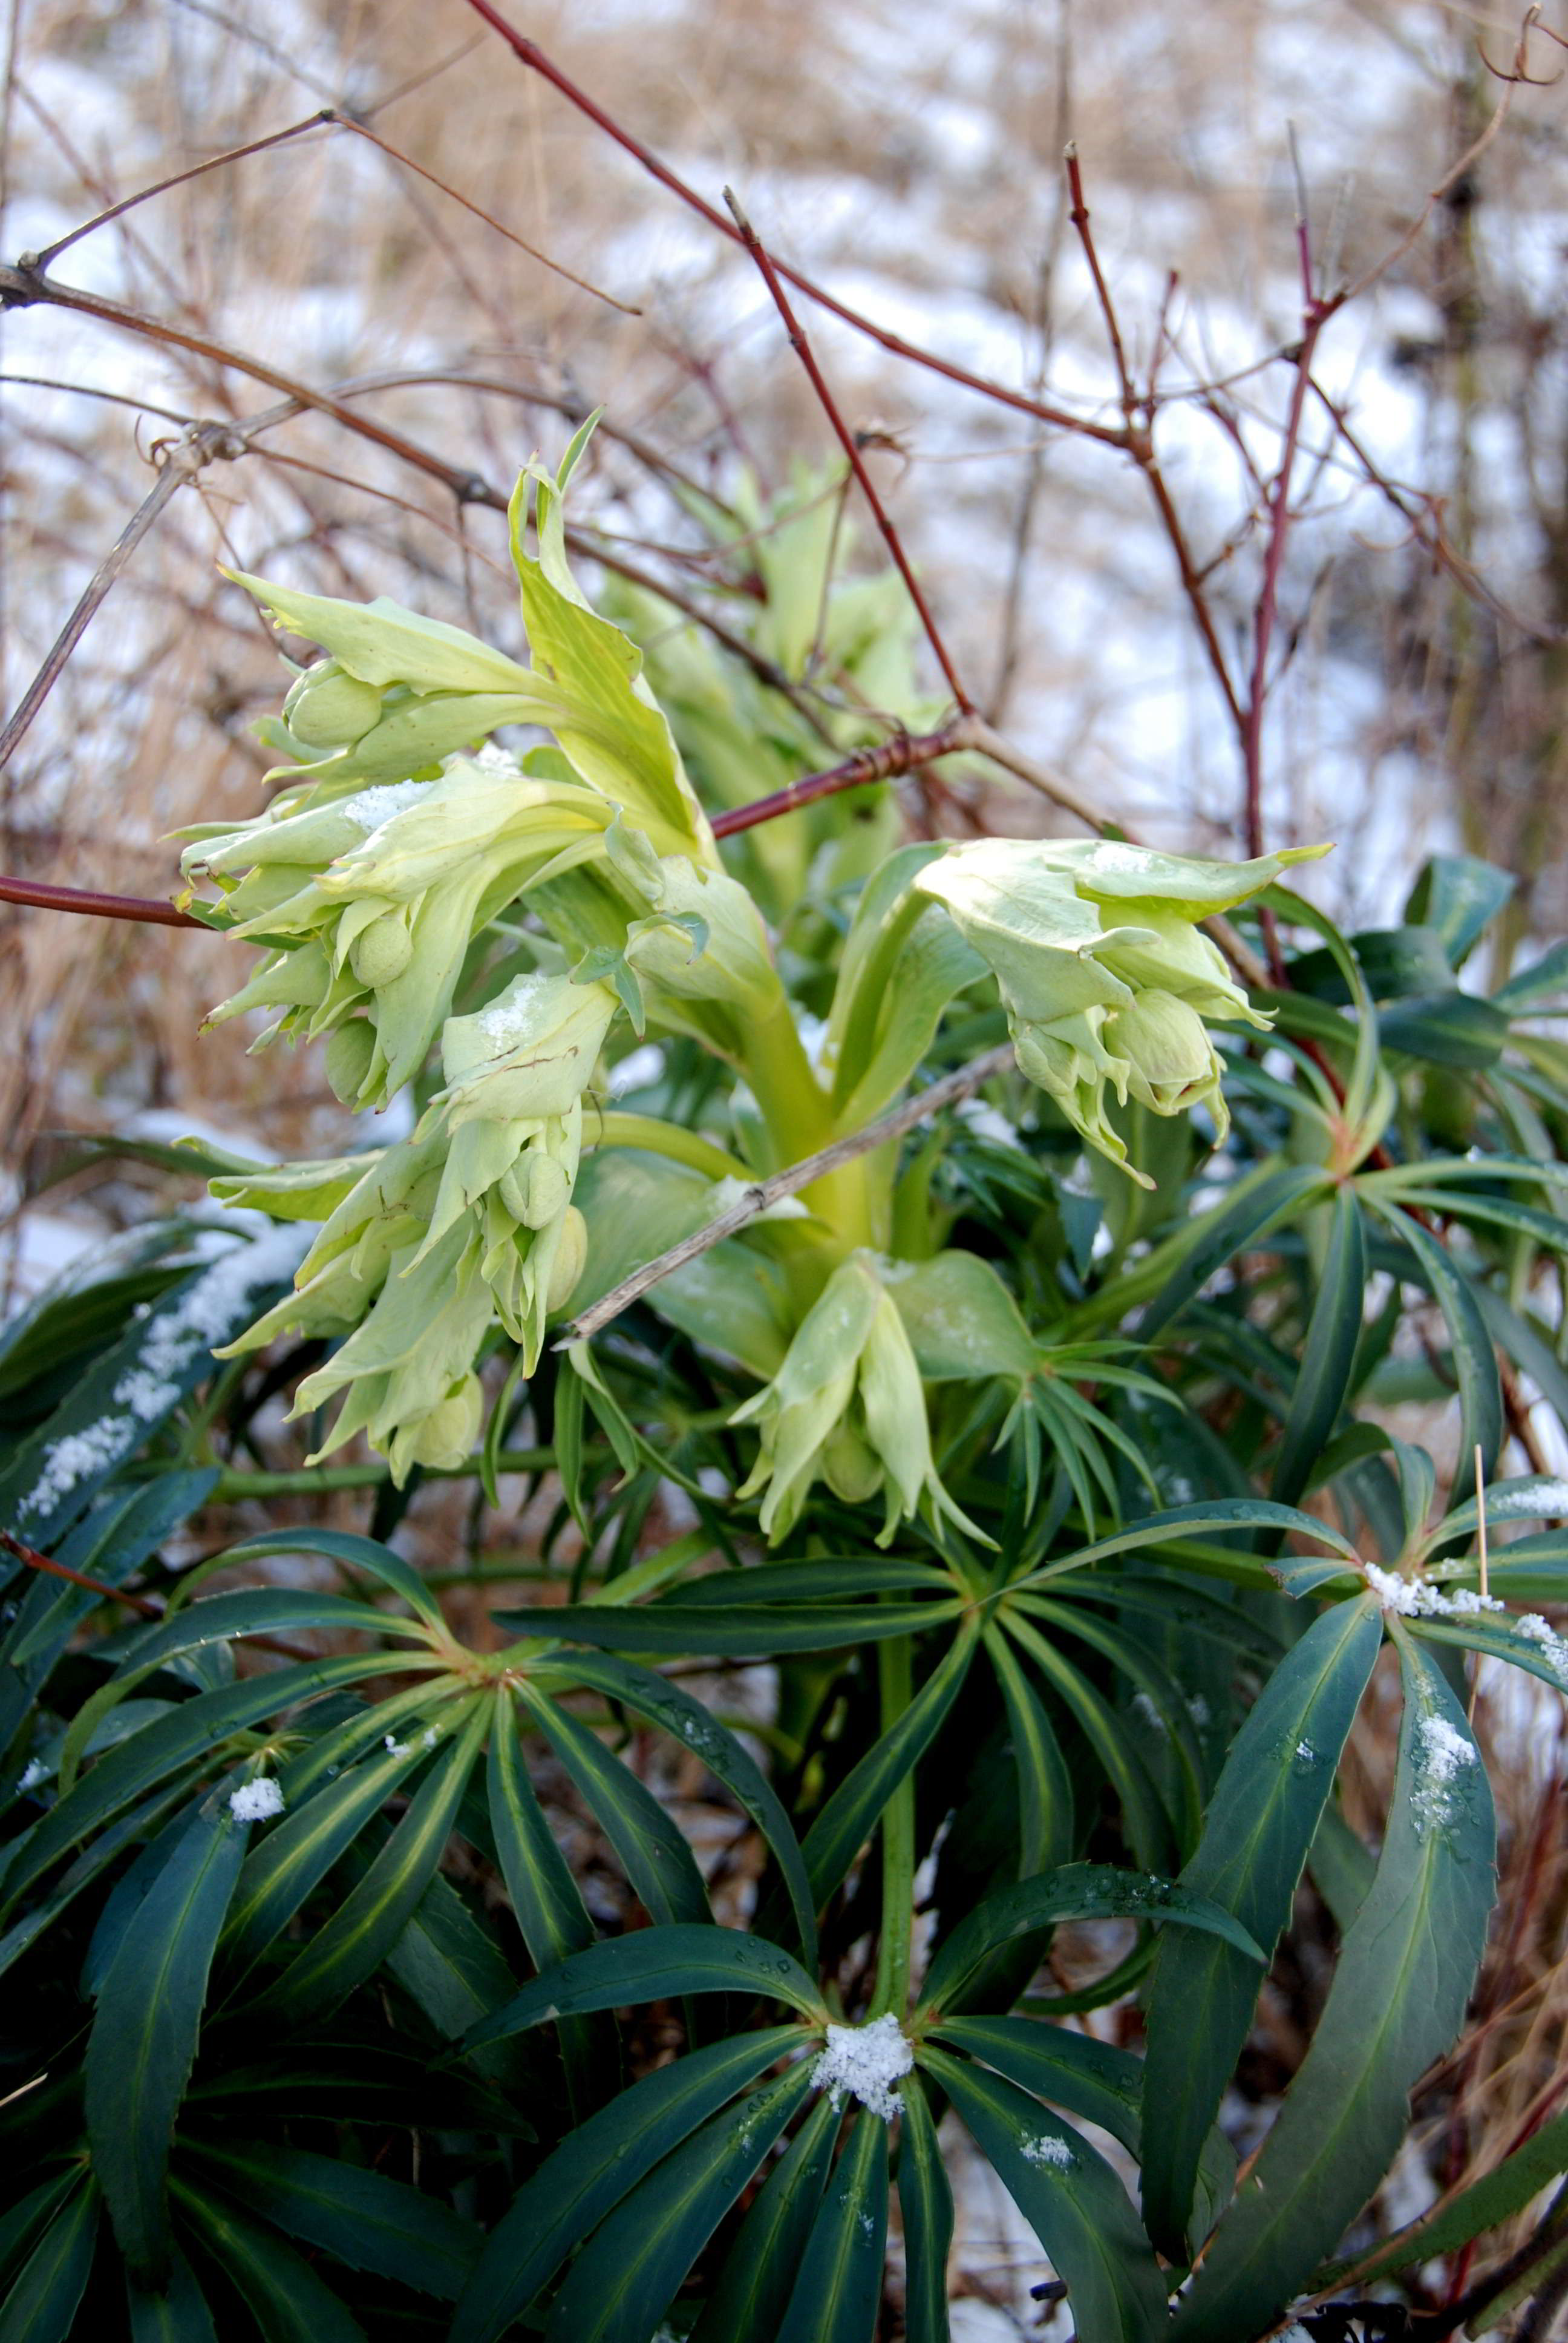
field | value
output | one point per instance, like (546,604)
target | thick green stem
(323,1479)
(892,1992)
(614,1129)
(799,1121)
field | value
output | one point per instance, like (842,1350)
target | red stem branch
(846,438)
(528,52)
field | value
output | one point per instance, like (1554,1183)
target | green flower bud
(1164,1055)
(330,709)
(847,1404)
(445,1438)
(381,952)
(349,1053)
(570,1261)
(536,1189)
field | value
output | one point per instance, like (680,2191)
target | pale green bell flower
(847,1406)
(417,1342)
(530,1052)
(1104,971)
(381,894)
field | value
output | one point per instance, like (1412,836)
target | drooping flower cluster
(847,1406)
(407,860)
(1105,976)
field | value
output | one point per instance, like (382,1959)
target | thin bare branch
(528,52)
(763,1193)
(197,446)
(904,753)
(52,252)
(362,130)
(144,909)
(1079,215)
(850,445)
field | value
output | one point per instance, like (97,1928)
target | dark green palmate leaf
(746,1631)
(1262,1821)
(180,2313)
(1090,2078)
(42,2302)
(144,2032)
(626,2274)
(597,2165)
(848,1819)
(352,1945)
(926,2211)
(545,1902)
(278,2287)
(691,1724)
(656,1965)
(293,1859)
(651,1850)
(1045,1797)
(1080,1891)
(838,2294)
(761,2268)
(360,2218)
(1474,1361)
(1405,1972)
(1503,1639)
(1488,2202)
(1151,1831)
(1328,1361)
(191,1732)
(1070,2197)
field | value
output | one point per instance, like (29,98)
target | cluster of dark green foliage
(355,2058)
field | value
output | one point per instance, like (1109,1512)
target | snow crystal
(1198,1709)
(491,759)
(1442,1752)
(37,1772)
(255,1802)
(1553,1646)
(866,2061)
(393,1746)
(427,1739)
(369,808)
(1307,1755)
(1418,1598)
(206,1313)
(507,1018)
(1047,2150)
(1144,1708)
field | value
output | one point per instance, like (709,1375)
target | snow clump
(866,2061)
(1418,1598)
(1442,1754)
(255,1802)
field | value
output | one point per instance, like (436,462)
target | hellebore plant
(406,858)
(1030,1400)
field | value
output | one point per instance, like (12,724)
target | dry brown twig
(778,1185)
